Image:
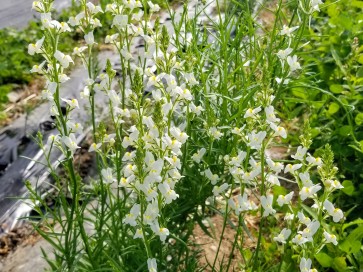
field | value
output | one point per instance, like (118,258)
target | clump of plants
(193,123)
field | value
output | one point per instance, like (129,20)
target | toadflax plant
(190,119)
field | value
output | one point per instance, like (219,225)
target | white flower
(237,131)
(303,219)
(38,6)
(72,21)
(73,103)
(289,217)
(252,112)
(217,190)
(131,217)
(38,68)
(275,166)
(284,53)
(299,239)
(79,50)
(283,236)
(137,30)
(124,182)
(63,59)
(151,265)
(189,77)
(114,97)
(237,161)
(151,213)
(315,4)
(126,54)
(305,178)
(243,204)
(256,139)
(273,179)
(314,161)
(153,7)
(279,131)
(35,48)
(111,7)
(111,38)
(163,233)
(288,30)
(46,19)
(333,184)
(300,153)
(330,238)
(266,203)
(71,142)
(212,177)
(94,9)
(307,192)
(138,234)
(63,78)
(89,38)
(168,193)
(63,27)
(185,94)
(94,147)
(310,229)
(215,133)
(174,161)
(197,157)
(282,200)
(280,80)
(128,156)
(178,134)
(120,21)
(126,142)
(336,213)
(305,265)
(107,175)
(138,16)
(291,168)
(196,109)
(270,114)
(149,191)
(75,127)
(293,63)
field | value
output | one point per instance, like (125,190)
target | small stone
(213,248)
(14,97)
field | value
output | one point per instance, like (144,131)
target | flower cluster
(168,120)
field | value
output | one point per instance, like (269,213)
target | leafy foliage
(330,93)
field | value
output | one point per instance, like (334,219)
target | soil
(208,245)
(29,97)
(22,236)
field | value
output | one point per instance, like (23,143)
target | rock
(14,97)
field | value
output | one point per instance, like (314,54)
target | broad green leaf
(324,259)
(336,88)
(348,187)
(358,4)
(352,242)
(315,132)
(345,130)
(359,119)
(360,72)
(333,108)
(300,92)
(349,246)
(352,223)
(360,59)
(279,190)
(340,264)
